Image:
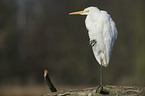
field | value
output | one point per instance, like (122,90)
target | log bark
(107,90)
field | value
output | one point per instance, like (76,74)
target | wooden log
(107,90)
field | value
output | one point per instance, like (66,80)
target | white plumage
(102,29)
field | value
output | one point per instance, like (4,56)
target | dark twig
(48,81)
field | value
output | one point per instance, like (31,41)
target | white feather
(102,28)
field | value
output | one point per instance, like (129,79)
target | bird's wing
(109,35)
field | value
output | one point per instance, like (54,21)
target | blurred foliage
(39,34)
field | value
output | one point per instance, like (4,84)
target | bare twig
(48,81)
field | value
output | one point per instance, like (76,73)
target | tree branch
(48,81)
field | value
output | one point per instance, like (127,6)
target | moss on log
(107,90)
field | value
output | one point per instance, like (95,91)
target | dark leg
(101,79)
(100,89)
(101,82)
(93,42)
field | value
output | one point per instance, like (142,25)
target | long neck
(94,15)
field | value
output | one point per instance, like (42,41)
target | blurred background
(39,34)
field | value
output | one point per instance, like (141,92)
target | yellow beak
(79,12)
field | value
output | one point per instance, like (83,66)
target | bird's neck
(94,16)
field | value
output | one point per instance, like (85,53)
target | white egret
(102,32)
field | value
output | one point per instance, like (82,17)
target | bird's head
(86,11)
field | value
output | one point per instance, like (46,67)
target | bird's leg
(93,42)
(100,87)
(101,80)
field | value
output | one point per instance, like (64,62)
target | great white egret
(102,32)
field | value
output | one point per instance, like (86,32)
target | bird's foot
(100,90)
(93,42)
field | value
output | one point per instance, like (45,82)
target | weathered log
(107,90)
